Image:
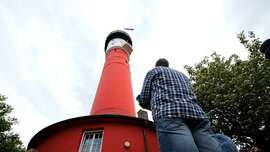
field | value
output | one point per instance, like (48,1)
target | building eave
(44,133)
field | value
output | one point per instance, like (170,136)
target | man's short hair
(162,62)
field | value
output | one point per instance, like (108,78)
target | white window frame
(94,133)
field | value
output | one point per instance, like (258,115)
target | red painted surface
(114,94)
(115,134)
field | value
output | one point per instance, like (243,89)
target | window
(92,141)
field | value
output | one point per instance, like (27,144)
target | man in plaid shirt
(181,124)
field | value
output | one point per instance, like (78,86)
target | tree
(235,93)
(9,141)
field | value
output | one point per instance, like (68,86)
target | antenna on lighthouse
(129,29)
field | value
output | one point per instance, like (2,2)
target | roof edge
(45,132)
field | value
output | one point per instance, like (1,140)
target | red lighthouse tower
(114,93)
(112,125)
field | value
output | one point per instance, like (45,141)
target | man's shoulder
(158,69)
(165,69)
(161,69)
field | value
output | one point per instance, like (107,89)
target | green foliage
(235,93)
(9,141)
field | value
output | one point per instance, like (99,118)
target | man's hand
(143,104)
(138,98)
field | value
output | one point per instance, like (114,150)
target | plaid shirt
(168,93)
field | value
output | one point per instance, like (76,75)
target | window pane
(91,141)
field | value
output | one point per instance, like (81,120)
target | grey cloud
(20,71)
(248,14)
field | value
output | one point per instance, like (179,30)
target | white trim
(119,43)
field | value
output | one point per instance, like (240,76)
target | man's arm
(145,97)
(145,105)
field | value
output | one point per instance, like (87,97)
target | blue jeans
(190,135)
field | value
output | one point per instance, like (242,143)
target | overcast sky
(52,51)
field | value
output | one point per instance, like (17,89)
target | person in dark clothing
(181,124)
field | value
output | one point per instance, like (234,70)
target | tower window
(92,141)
